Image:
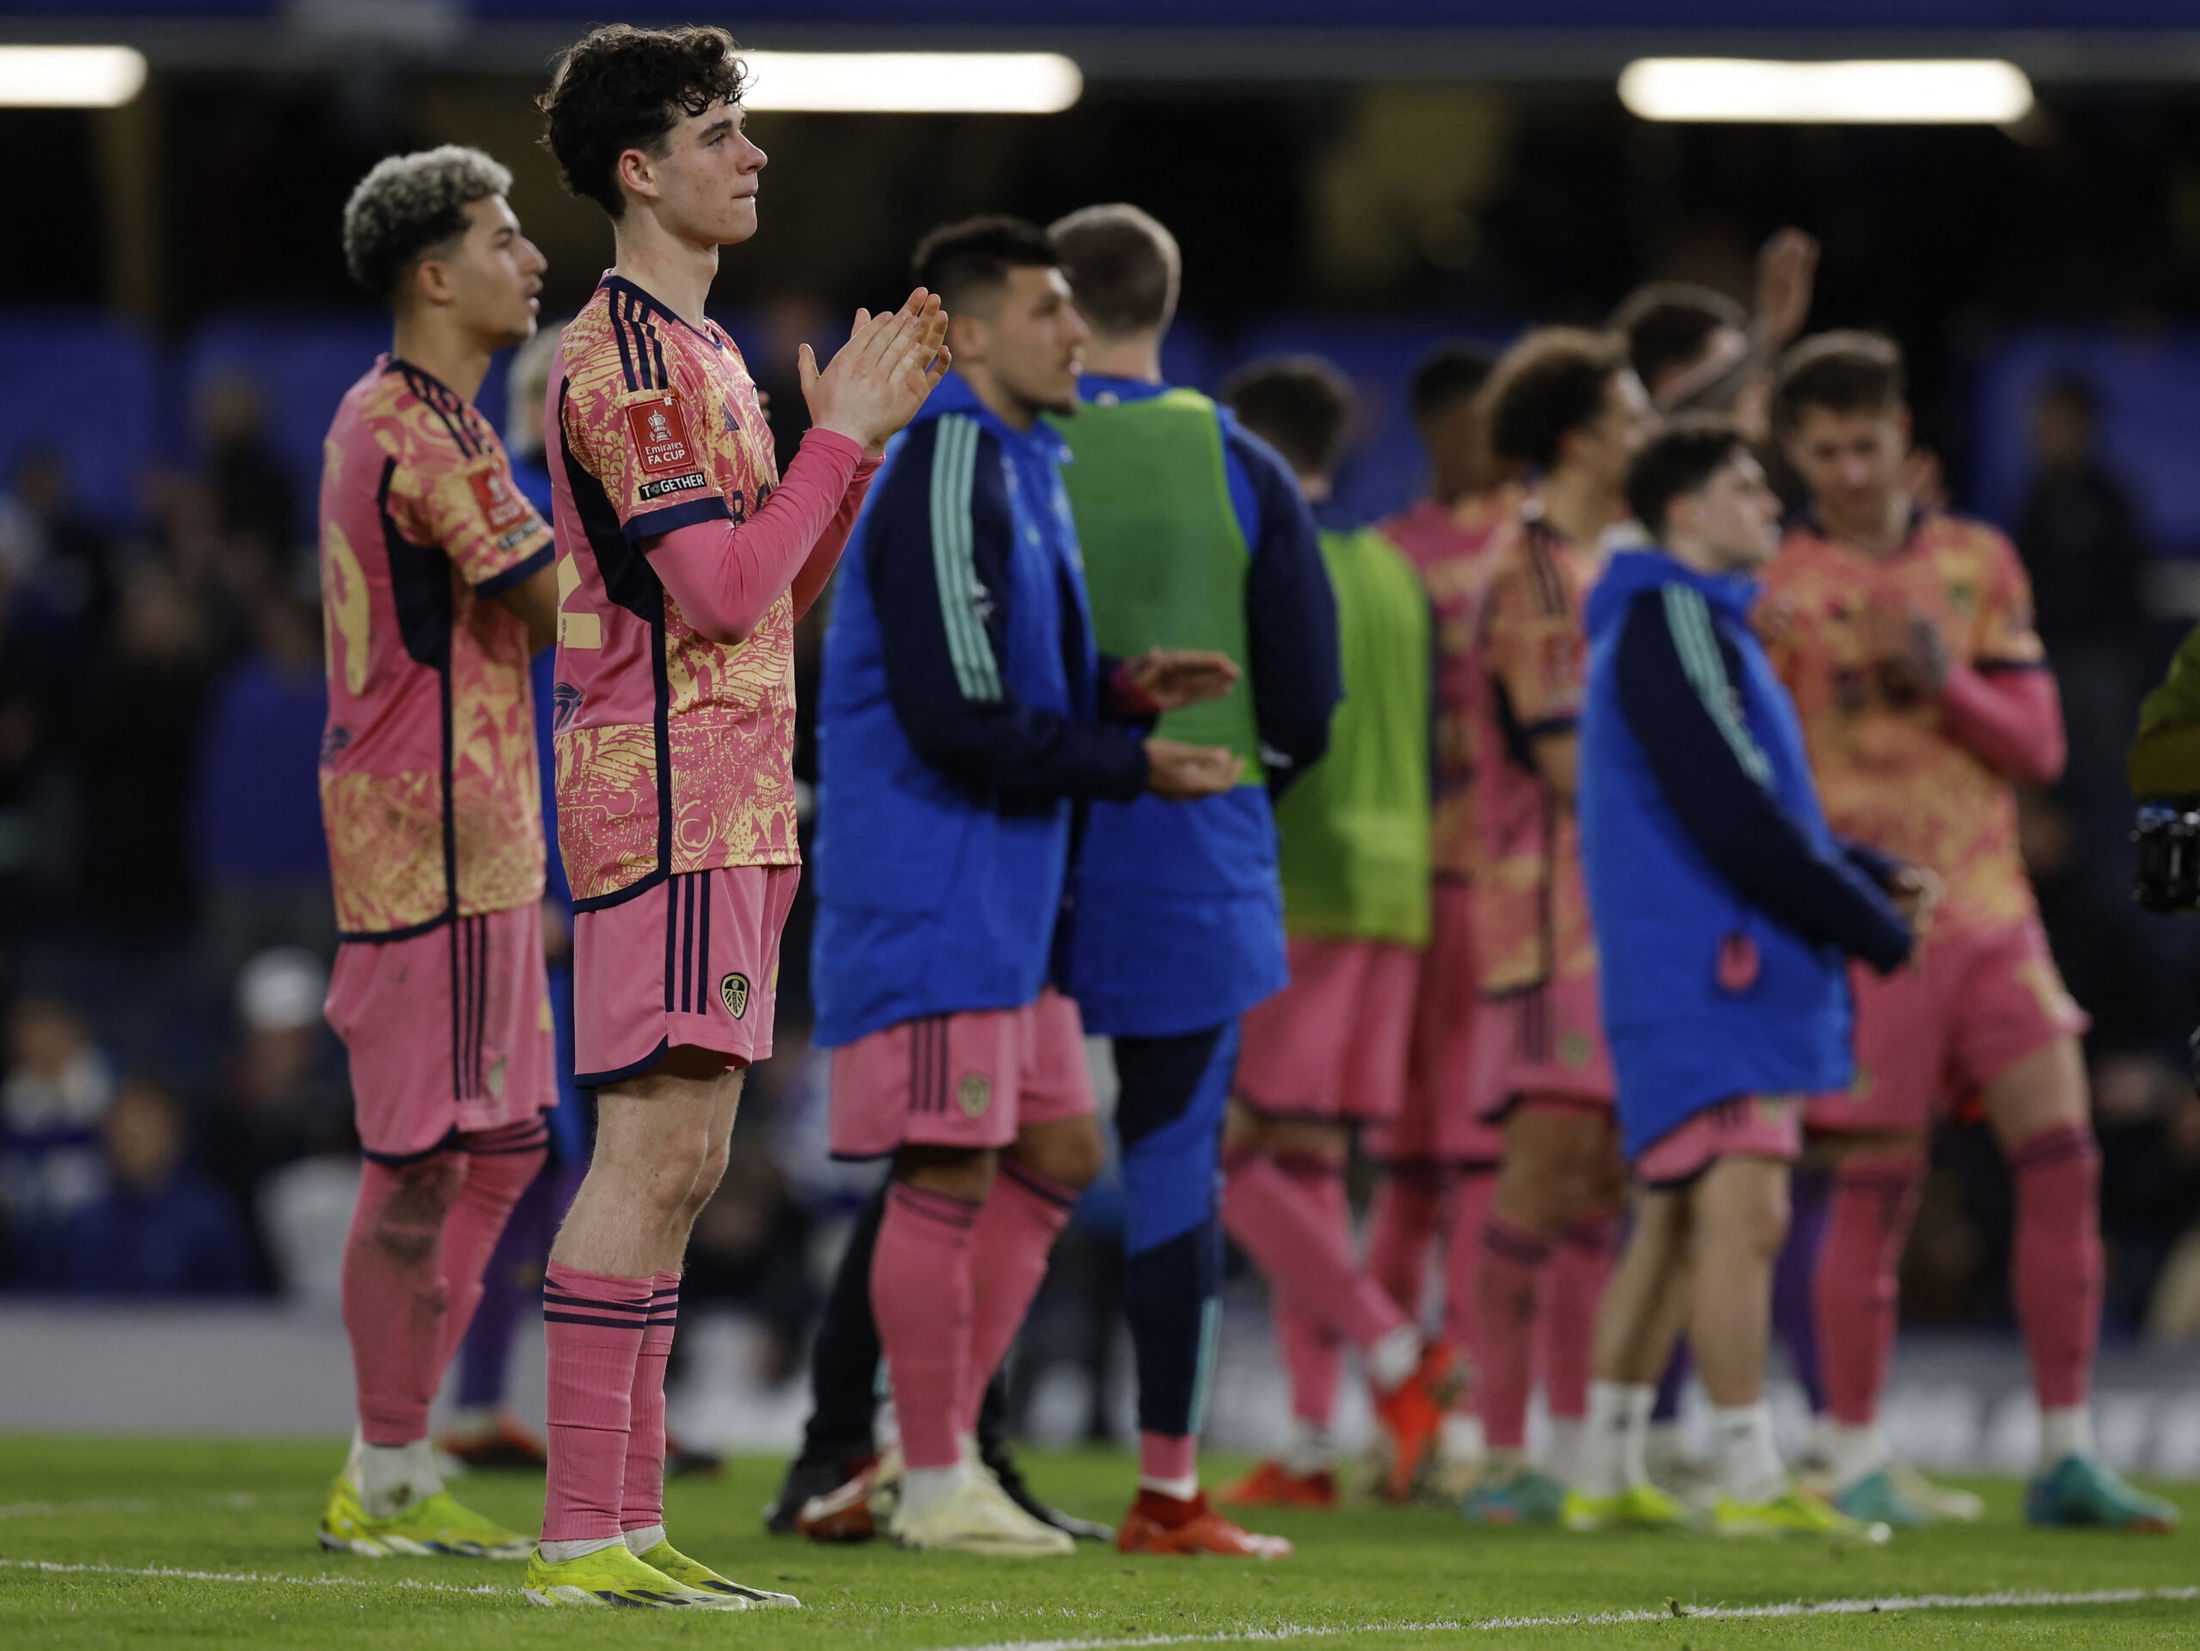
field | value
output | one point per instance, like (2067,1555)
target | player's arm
(817,567)
(1678,697)
(472,506)
(1532,650)
(534,602)
(937,563)
(1290,614)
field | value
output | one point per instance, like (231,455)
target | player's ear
(634,172)
(430,283)
(966,337)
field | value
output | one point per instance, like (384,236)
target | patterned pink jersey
(1531,910)
(1887,774)
(1450,547)
(428,782)
(674,752)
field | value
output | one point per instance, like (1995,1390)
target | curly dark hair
(1669,324)
(620,87)
(1840,372)
(1551,383)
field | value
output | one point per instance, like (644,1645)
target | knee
(1073,1157)
(662,1176)
(955,1172)
(1762,1222)
(408,1221)
(709,1174)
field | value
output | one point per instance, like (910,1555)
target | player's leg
(1463,1446)
(1638,1323)
(483,1433)
(1581,1263)
(838,1441)
(1403,1222)
(2038,1109)
(1173,1094)
(1557,1150)
(414,1095)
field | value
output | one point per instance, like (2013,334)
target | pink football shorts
(1333,1044)
(691,960)
(970,1079)
(1548,1041)
(1749,1126)
(447,1031)
(1437,1120)
(1974,1004)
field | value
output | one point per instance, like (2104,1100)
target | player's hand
(1916,892)
(876,382)
(1175,677)
(1787,271)
(1180,772)
(1909,652)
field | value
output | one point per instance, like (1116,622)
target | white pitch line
(2005,1600)
(235,1501)
(175,1574)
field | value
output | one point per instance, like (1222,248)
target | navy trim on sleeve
(1675,689)
(519,572)
(652,524)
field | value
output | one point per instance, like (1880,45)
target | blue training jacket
(958,716)
(1723,904)
(1179,910)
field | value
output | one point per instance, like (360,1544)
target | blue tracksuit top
(1178,906)
(1724,906)
(958,717)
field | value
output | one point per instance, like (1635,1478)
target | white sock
(1818,1446)
(1394,1358)
(1748,1464)
(1664,1444)
(1183,1489)
(1563,1461)
(639,1542)
(557,1553)
(2065,1432)
(1461,1438)
(1602,1469)
(922,1487)
(393,1477)
(1853,1452)
(1309,1449)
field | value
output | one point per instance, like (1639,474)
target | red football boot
(1272,1485)
(1412,1413)
(1160,1524)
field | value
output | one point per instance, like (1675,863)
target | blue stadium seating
(86,385)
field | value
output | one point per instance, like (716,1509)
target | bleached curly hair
(408,206)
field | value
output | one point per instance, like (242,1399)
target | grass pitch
(114,1542)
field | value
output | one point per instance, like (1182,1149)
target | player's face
(496,274)
(1851,462)
(1736,516)
(706,179)
(1604,446)
(1034,344)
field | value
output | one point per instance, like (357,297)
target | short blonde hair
(1123,267)
(408,206)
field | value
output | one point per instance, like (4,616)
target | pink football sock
(2056,1267)
(643,1501)
(1009,1245)
(501,1164)
(1580,1265)
(1475,1191)
(1313,1359)
(1408,1211)
(921,1294)
(396,1305)
(1868,1216)
(592,1327)
(1511,1269)
(1171,1460)
(1287,1211)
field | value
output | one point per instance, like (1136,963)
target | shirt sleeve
(647,447)
(2006,638)
(1537,652)
(1290,616)
(1678,696)
(940,533)
(467,501)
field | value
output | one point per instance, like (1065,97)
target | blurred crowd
(173,1112)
